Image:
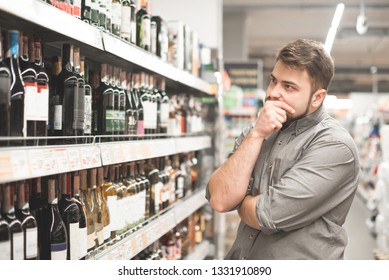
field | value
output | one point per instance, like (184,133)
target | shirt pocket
(280,167)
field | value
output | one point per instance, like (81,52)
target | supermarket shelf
(200,252)
(241,112)
(154,229)
(29,162)
(59,22)
(33,18)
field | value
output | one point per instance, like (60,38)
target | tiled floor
(361,241)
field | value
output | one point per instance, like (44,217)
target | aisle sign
(247,75)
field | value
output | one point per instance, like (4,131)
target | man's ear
(318,98)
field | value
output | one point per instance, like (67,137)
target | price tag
(105,155)
(50,162)
(62,160)
(134,245)
(145,149)
(74,159)
(20,166)
(37,162)
(96,157)
(6,171)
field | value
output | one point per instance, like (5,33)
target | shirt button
(270,166)
(279,142)
(251,236)
(243,258)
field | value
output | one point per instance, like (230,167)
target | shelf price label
(37,162)
(61,156)
(74,159)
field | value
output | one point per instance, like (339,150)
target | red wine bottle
(5,97)
(5,234)
(70,215)
(54,232)
(29,224)
(17,87)
(17,241)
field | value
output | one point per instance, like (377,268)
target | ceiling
(269,24)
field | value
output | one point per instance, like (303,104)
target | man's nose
(274,93)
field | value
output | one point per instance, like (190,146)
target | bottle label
(5,250)
(178,248)
(110,120)
(146,32)
(113,212)
(59,251)
(140,129)
(18,245)
(57,117)
(122,120)
(88,115)
(100,234)
(164,114)
(74,240)
(154,41)
(91,240)
(116,13)
(31,242)
(83,242)
(180,187)
(77,8)
(163,40)
(78,108)
(125,26)
(107,232)
(30,95)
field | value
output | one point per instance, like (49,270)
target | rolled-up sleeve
(325,176)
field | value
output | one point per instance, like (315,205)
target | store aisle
(361,242)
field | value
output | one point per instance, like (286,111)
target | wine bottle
(164,107)
(79,108)
(5,101)
(143,25)
(17,87)
(70,215)
(130,110)
(145,99)
(84,72)
(95,207)
(94,12)
(110,194)
(91,232)
(128,22)
(8,209)
(145,186)
(112,73)
(29,224)
(103,203)
(69,120)
(172,180)
(41,101)
(153,106)
(139,105)
(5,233)
(54,99)
(28,72)
(121,81)
(116,17)
(105,104)
(86,11)
(36,208)
(162,39)
(55,234)
(134,195)
(158,103)
(82,223)
(102,13)
(179,178)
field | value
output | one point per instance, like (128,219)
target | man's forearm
(228,184)
(247,211)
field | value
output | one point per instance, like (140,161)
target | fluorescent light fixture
(334,27)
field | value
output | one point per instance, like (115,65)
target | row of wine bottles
(75,100)
(131,20)
(68,215)
(180,241)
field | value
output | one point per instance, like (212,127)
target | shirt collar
(300,125)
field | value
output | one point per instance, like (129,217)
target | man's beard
(290,119)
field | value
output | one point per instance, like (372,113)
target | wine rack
(54,25)
(19,163)
(155,228)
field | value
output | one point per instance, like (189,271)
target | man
(293,174)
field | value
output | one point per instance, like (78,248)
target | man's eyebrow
(285,82)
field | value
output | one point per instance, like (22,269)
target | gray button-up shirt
(306,175)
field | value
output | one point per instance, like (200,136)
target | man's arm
(247,211)
(228,184)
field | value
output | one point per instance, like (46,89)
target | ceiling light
(334,27)
(362,20)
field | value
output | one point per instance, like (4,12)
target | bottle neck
(13,43)
(67,57)
(51,197)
